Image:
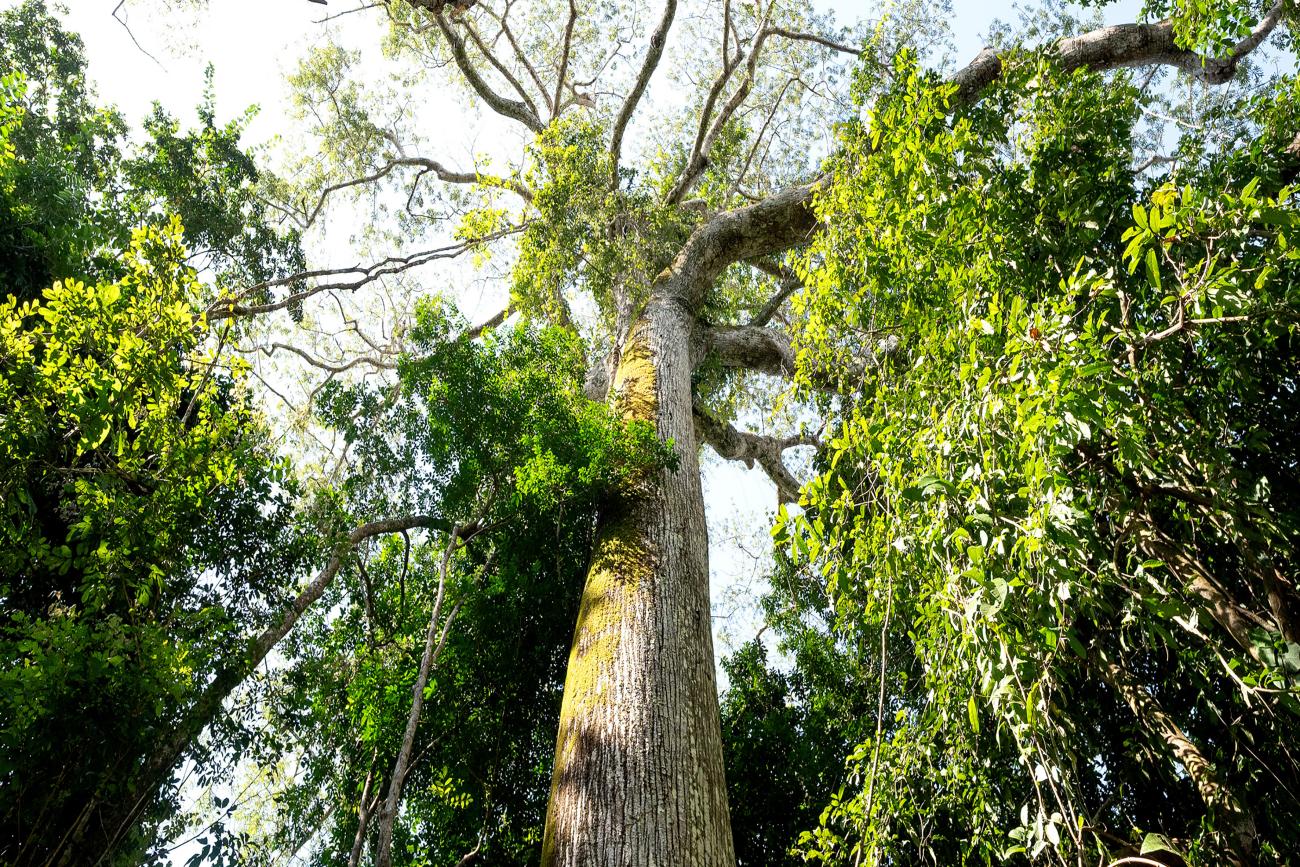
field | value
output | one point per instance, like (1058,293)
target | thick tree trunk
(638,772)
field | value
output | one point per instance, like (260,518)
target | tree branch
(331,367)
(1124,45)
(166,754)
(434,641)
(224,308)
(494,321)
(735,445)
(521,56)
(785,219)
(557,103)
(500,67)
(510,108)
(751,347)
(787,283)
(427,165)
(658,40)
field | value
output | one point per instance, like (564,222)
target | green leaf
(1156,843)
(1153,269)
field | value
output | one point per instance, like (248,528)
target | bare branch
(763,350)
(797,36)
(658,40)
(426,165)
(521,56)
(500,67)
(510,108)
(787,283)
(127,28)
(735,445)
(557,104)
(362,8)
(1124,45)
(331,367)
(225,308)
(699,159)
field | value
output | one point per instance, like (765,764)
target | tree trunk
(1219,799)
(638,765)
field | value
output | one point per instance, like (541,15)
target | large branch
(780,221)
(1219,799)
(658,40)
(787,283)
(1124,45)
(785,219)
(736,445)
(751,347)
(511,108)
(557,102)
(501,68)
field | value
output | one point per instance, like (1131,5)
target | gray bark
(638,774)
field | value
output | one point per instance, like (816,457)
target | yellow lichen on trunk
(621,562)
(633,390)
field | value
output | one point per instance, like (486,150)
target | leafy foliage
(1053,490)
(147,525)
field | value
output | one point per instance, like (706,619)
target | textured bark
(1232,617)
(1219,800)
(638,772)
(1124,45)
(764,350)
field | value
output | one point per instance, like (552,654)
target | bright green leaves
(112,376)
(78,186)
(1208,27)
(586,237)
(507,414)
(1044,381)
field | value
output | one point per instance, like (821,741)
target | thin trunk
(155,770)
(1220,801)
(638,774)
(434,641)
(364,811)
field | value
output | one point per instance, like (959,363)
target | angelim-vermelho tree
(1009,407)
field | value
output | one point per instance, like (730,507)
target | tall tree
(663,241)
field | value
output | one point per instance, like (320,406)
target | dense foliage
(147,522)
(1061,484)
(1040,601)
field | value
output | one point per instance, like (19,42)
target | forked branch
(746,447)
(658,40)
